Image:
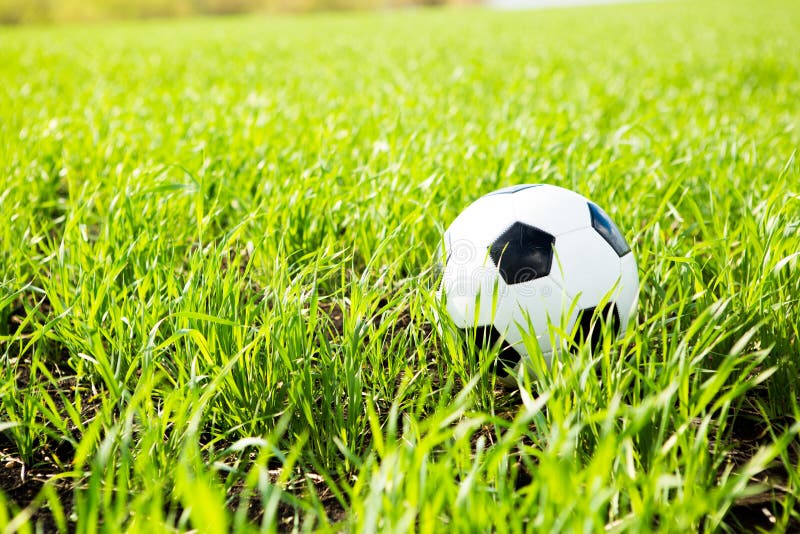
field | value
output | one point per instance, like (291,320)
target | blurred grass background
(37,11)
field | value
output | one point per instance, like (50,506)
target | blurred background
(48,11)
(31,11)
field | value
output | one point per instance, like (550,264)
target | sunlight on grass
(217,271)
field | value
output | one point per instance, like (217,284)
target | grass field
(217,271)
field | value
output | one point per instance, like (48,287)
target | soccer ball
(531,255)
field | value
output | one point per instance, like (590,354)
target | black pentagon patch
(523,253)
(488,336)
(590,324)
(608,230)
(510,190)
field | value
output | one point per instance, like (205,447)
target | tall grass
(217,271)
